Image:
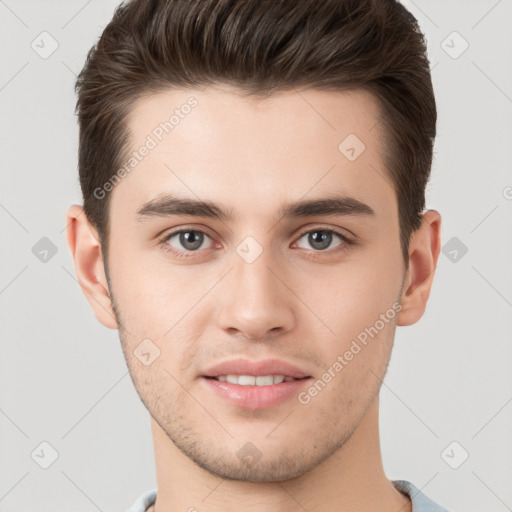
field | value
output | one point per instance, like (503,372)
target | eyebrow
(332,205)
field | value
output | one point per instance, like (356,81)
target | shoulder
(144,501)
(420,502)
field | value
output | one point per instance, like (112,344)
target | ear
(83,242)
(424,249)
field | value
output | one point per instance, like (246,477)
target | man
(253,174)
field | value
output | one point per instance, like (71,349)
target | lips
(256,368)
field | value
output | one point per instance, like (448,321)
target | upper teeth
(250,380)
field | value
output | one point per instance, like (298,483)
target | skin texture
(294,302)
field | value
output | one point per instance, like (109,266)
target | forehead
(319,112)
(228,148)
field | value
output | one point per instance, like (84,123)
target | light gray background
(63,376)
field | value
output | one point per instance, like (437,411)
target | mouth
(255,384)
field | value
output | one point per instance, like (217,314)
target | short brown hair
(260,46)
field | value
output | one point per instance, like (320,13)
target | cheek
(158,300)
(354,297)
(358,304)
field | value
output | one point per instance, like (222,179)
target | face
(278,275)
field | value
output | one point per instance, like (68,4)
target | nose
(254,301)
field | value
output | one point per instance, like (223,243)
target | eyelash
(344,246)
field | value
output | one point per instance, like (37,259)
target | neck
(351,479)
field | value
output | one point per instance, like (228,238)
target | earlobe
(424,251)
(85,249)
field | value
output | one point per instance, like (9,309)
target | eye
(321,239)
(185,240)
